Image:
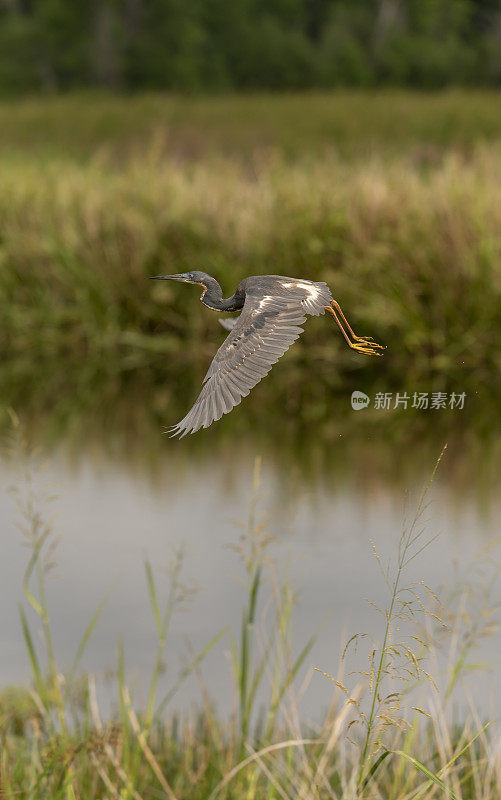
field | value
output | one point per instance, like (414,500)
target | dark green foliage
(165,45)
(245,44)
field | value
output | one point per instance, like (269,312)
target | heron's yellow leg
(367,339)
(362,345)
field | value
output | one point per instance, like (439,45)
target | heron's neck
(213,297)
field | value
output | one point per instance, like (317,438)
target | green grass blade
(433,777)
(254,593)
(188,670)
(153,598)
(298,663)
(28,573)
(258,673)
(234,659)
(86,636)
(126,746)
(372,771)
(455,758)
(35,666)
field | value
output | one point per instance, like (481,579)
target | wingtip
(178,431)
(175,432)
(168,431)
(171,431)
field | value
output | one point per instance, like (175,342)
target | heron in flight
(273,308)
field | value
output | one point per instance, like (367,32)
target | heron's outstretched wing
(265,329)
(228,323)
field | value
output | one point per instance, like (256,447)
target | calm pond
(323,507)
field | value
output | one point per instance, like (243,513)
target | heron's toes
(369,341)
(367,348)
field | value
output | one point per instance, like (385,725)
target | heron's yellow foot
(367,348)
(368,340)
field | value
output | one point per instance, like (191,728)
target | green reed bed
(393,198)
(351,123)
(413,256)
(375,740)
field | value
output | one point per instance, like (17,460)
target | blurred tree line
(192,45)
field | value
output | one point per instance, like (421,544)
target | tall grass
(56,744)
(96,194)
(351,123)
(413,257)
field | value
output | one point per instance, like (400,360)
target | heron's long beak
(169,278)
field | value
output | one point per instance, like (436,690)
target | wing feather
(265,329)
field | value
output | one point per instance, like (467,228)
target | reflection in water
(110,518)
(322,443)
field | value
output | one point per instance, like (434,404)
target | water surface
(110,518)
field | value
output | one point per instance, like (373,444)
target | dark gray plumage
(273,309)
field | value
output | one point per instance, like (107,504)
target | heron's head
(195,276)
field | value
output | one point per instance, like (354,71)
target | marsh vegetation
(388,729)
(394,199)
